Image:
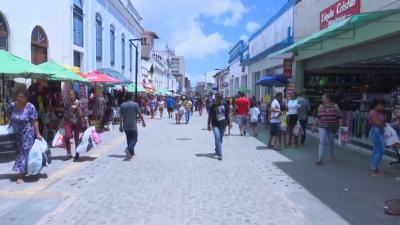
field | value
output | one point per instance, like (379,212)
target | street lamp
(136,65)
(219,77)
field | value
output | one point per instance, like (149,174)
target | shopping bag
(8,141)
(343,136)
(298,130)
(35,157)
(95,137)
(85,141)
(390,135)
(59,140)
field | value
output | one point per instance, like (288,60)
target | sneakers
(128,154)
(318,163)
(219,158)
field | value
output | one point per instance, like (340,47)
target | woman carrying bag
(73,117)
(24,120)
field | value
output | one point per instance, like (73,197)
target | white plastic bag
(84,141)
(343,136)
(390,136)
(298,130)
(59,135)
(6,130)
(35,158)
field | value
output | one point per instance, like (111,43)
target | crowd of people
(32,113)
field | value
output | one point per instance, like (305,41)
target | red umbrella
(97,77)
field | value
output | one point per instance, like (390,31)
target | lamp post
(136,65)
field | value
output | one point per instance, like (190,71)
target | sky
(203,31)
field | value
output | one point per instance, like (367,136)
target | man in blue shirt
(170,106)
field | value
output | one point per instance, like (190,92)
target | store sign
(339,11)
(288,68)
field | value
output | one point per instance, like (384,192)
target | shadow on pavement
(28,179)
(207,155)
(262,148)
(117,156)
(87,159)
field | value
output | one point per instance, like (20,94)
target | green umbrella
(115,74)
(60,72)
(131,88)
(15,67)
(163,91)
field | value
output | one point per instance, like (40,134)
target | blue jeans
(326,142)
(218,136)
(131,139)
(187,116)
(376,136)
(303,124)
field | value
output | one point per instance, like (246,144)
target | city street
(173,179)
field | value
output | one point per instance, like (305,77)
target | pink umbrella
(97,77)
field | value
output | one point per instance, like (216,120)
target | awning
(97,77)
(336,29)
(115,74)
(61,73)
(74,69)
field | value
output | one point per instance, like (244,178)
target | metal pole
(3,107)
(136,73)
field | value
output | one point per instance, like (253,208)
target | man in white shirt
(275,121)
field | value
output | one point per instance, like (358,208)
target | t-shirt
(292,107)
(329,115)
(129,112)
(219,115)
(304,107)
(188,105)
(242,106)
(254,113)
(170,102)
(275,116)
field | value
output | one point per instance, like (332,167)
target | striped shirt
(328,115)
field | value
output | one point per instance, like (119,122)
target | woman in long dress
(24,120)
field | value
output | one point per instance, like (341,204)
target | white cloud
(252,26)
(177,23)
(244,37)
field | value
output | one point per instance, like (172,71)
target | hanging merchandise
(390,136)
(343,136)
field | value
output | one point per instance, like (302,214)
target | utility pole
(136,65)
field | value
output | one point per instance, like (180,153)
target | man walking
(276,121)
(188,109)
(218,119)
(170,106)
(129,112)
(303,116)
(242,112)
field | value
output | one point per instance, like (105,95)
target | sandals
(20,181)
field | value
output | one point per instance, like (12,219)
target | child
(254,113)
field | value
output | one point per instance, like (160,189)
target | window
(77,59)
(130,57)
(112,45)
(39,45)
(123,51)
(3,33)
(99,38)
(78,23)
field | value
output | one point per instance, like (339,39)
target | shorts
(292,120)
(170,109)
(276,129)
(253,124)
(242,120)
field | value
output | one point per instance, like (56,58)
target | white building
(236,75)
(89,34)
(178,71)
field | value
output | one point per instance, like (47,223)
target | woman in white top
(161,105)
(292,118)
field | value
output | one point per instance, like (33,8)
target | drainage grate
(183,139)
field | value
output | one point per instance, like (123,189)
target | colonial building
(89,34)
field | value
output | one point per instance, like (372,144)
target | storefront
(356,59)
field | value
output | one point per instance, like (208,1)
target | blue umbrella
(272,80)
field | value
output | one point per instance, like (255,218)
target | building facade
(177,64)
(235,77)
(89,34)
(276,34)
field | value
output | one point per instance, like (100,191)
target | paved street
(173,179)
